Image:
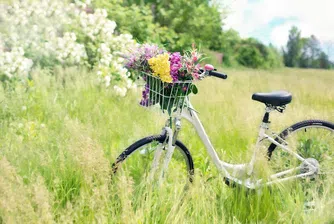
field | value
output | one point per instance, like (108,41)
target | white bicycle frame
(231,171)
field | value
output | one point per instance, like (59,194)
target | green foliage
(229,40)
(177,24)
(249,56)
(138,20)
(294,46)
(310,52)
(167,22)
(252,53)
(192,20)
(41,60)
(304,52)
(324,61)
(274,58)
(134,19)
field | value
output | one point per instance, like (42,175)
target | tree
(249,54)
(310,53)
(293,48)
(176,24)
(305,52)
(324,61)
(274,59)
(193,21)
(315,50)
(252,53)
(134,19)
(229,41)
(305,59)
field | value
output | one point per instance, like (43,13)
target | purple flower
(175,65)
(149,51)
(131,61)
(145,100)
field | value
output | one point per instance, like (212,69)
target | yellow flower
(161,67)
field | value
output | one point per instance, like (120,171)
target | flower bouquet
(168,76)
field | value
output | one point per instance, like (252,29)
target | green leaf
(194,89)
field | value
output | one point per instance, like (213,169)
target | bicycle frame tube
(227,168)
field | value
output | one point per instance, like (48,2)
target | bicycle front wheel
(313,140)
(138,162)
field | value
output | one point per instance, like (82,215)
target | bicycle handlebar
(215,74)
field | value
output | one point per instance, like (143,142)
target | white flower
(107,80)
(14,64)
(19,50)
(121,91)
(35,28)
(73,36)
(68,50)
(109,27)
(104,49)
(104,13)
(130,84)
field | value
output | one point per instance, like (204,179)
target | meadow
(60,133)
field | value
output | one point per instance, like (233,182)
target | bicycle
(298,155)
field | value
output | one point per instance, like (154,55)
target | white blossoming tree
(51,32)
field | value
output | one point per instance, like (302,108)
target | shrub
(51,32)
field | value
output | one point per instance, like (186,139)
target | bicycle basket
(171,97)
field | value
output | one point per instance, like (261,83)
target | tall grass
(59,137)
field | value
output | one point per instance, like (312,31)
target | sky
(271,20)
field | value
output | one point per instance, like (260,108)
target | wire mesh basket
(171,97)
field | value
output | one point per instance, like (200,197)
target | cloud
(254,17)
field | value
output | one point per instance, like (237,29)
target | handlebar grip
(217,74)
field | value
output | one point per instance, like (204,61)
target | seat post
(266,117)
(265,120)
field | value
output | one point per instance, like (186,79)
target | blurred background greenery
(176,23)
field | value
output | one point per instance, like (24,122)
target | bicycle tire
(161,139)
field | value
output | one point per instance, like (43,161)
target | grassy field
(59,137)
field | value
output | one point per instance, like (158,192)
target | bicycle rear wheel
(136,162)
(314,141)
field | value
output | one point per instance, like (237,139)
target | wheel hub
(310,165)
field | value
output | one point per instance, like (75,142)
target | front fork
(170,149)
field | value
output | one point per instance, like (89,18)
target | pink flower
(175,65)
